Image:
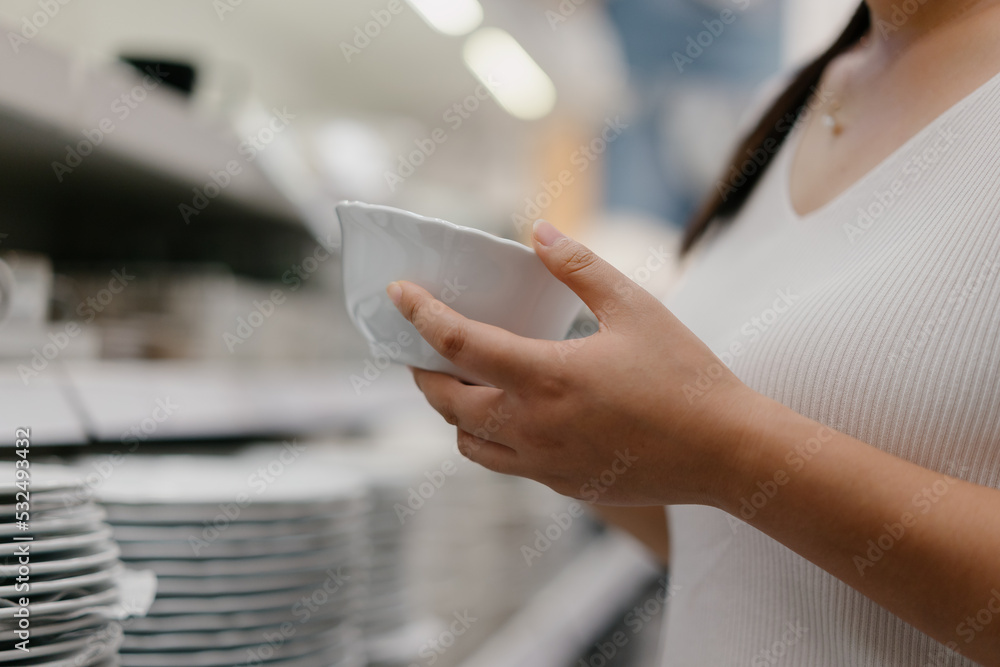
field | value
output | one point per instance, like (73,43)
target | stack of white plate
(390,620)
(71,572)
(388,606)
(470,556)
(256,556)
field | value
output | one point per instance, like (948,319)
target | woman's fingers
(608,292)
(488,352)
(492,455)
(479,411)
(479,415)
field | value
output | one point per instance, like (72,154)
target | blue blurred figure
(694,65)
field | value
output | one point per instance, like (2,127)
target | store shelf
(42,405)
(563,619)
(45,93)
(116,401)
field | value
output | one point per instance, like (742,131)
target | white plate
(227,658)
(315,660)
(215,481)
(241,530)
(69,583)
(211,623)
(53,544)
(43,504)
(41,650)
(42,479)
(178,514)
(100,599)
(181,586)
(83,522)
(106,556)
(481,276)
(206,641)
(96,654)
(134,551)
(227,566)
(92,623)
(227,603)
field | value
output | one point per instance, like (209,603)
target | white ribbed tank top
(878,315)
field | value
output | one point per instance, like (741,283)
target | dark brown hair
(755,152)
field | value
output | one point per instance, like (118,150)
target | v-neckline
(795,138)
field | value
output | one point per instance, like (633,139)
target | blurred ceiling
(292,52)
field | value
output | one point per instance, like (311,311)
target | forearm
(923,545)
(646,524)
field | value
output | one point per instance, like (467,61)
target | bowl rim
(437,221)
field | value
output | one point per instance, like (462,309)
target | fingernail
(545,233)
(395,292)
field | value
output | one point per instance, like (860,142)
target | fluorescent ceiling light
(451,17)
(519,85)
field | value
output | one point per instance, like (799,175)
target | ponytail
(770,132)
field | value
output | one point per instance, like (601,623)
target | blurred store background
(172,320)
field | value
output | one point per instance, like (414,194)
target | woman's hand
(639,413)
(642,413)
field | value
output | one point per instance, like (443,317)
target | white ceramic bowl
(479,275)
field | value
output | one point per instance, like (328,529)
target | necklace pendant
(831,123)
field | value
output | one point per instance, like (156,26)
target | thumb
(604,289)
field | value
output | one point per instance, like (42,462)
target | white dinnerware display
(257,557)
(57,554)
